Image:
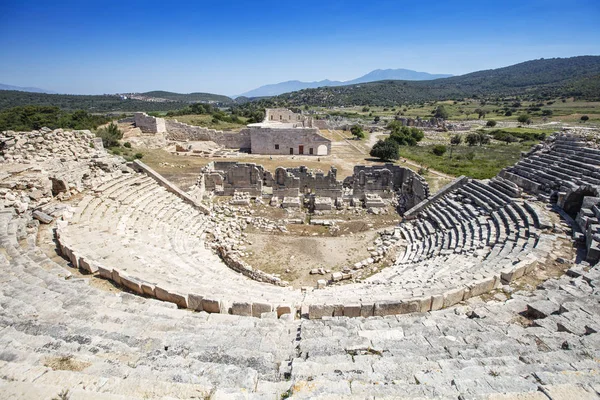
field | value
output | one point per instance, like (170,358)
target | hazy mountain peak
(25,89)
(275,89)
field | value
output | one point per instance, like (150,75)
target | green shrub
(110,135)
(138,156)
(439,150)
(357,131)
(127,144)
(491,123)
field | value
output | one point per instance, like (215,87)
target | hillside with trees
(545,78)
(189,97)
(90,103)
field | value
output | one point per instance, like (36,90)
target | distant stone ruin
(365,185)
(282,132)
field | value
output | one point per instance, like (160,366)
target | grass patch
(479,162)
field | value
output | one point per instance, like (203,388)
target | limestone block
(541,309)
(42,217)
(93,267)
(367,309)
(131,283)
(210,305)
(195,302)
(244,309)
(437,302)
(321,283)
(338,310)
(148,289)
(84,265)
(285,309)
(352,310)
(480,287)
(259,308)
(224,306)
(336,276)
(515,271)
(454,296)
(104,272)
(171,297)
(387,308)
(317,311)
(116,278)
(423,304)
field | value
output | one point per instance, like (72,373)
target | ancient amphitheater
(112,289)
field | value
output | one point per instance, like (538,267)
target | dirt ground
(277,253)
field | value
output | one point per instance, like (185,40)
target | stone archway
(322,150)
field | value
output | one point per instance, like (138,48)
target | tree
(505,137)
(480,113)
(439,150)
(547,113)
(377,119)
(403,135)
(523,118)
(472,139)
(479,138)
(110,135)
(357,132)
(455,141)
(584,118)
(385,150)
(441,112)
(508,113)
(491,123)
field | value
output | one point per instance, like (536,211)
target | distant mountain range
(545,79)
(25,89)
(373,76)
(577,77)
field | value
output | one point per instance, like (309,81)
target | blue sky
(229,47)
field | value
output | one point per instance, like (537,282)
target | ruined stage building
(282,132)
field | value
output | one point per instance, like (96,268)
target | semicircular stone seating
(58,331)
(69,336)
(465,243)
(142,236)
(62,337)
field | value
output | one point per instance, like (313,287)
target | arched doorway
(322,150)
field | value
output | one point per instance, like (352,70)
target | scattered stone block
(259,308)
(210,306)
(452,297)
(285,309)
(42,217)
(194,302)
(318,311)
(171,297)
(541,309)
(244,309)
(352,310)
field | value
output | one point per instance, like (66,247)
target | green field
(568,111)
(486,160)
